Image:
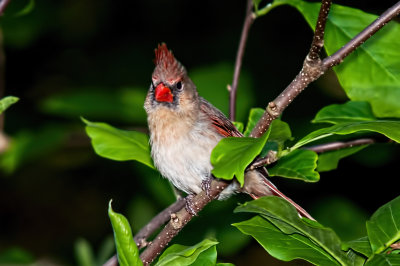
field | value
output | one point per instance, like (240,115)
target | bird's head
(170,85)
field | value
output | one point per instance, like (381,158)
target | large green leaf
(299,164)
(117,144)
(127,251)
(360,245)
(6,102)
(384,260)
(389,128)
(284,216)
(282,246)
(232,155)
(371,73)
(348,112)
(203,253)
(384,226)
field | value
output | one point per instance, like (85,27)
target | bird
(184,128)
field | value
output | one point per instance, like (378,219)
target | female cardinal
(184,129)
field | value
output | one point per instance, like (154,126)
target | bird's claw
(190,206)
(206,185)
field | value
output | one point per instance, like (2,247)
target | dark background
(59,189)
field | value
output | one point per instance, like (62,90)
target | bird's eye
(179,85)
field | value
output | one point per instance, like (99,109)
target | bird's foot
(190,206)
(206,185)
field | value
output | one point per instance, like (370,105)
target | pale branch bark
(248,21)
(3,5)
(179,220)
(314,67)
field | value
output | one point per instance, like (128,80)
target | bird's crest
(166,63)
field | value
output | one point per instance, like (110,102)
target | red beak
(163,93)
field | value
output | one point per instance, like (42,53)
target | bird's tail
(257,185)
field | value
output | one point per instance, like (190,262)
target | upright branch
(311,71)
(313,67)
(248,21)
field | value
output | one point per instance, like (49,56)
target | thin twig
(3,5)
(318,39)
(321,148)
(338,145)
(248,21)
(155,223)
(313,69)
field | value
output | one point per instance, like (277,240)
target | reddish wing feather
(219,121)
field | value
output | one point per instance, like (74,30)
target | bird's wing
(219,121)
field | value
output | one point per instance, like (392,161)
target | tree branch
(248,21)
(338,145)
(155,223)
(313,67)
(179,220)
(360,38)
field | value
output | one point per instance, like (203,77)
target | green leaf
(360,245)
(84,253)
(280,132)
(384,260)
(6,102)
(254,116)
(299,164)
(347,112)
(232,155)
(389,128)
(119,145)
(322,241)
(127,251)
(371,73)
(124,104)
(384,226)
(203,253)
(328,161)
(282,246)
